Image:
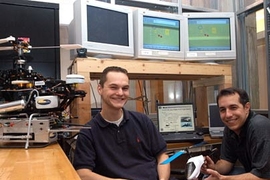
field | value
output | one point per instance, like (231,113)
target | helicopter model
(20,83)
(27,97)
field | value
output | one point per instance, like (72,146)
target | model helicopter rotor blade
(8,39)
(6,48)
(70,46)
(62,46)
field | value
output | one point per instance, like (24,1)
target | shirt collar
(102,123)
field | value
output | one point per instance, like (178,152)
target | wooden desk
(207,139)
(36,163)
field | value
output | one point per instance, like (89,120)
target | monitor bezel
(143,53)
(97,49)
(215,54)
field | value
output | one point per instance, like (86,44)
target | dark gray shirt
(251,147)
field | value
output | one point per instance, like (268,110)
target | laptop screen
(215,122)
(175,117)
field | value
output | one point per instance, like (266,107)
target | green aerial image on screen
(209,35)
(161,37)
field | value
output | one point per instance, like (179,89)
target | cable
(93,94)
(29,98)
(142,96)
(145,100)
(28,129)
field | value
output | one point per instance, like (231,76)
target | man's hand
(208,164)
(213,175)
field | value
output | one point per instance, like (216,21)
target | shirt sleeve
(84,155)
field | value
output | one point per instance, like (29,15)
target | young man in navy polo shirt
(121,144)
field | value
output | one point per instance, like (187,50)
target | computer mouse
(193,167)
(200,133)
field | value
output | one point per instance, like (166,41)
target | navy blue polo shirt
(251,147)
(128,151)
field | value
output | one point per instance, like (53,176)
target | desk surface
(36,163)
(207,139)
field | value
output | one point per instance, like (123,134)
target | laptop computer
(176,122)
(216,126)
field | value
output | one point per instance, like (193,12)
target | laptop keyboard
(182,137)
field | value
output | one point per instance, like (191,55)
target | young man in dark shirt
(121,144)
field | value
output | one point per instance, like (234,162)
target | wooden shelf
(201,74)
(152,70)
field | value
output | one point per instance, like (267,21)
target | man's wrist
(214,167)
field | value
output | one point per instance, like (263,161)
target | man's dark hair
(103,76)
(243,96)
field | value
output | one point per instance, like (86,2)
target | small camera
(82,52)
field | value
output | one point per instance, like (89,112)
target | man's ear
(247,106)
(99,88)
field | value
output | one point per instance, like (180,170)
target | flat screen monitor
(210,36)
(158,35)
(176,117)
(104,29)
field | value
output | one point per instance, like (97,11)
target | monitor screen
(175,117)
(100,19)
(158,35)
(210,36)
(161,33)
(103,29)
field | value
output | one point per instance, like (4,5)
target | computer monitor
(215,122)
(176,117)
(158,35)
(104,29)
(210,36)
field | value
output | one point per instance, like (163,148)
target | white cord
(28,129)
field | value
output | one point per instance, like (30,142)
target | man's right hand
(208,164)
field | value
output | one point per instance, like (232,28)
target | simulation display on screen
(161,33)
(209,34)
(107,26)
(176,117)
